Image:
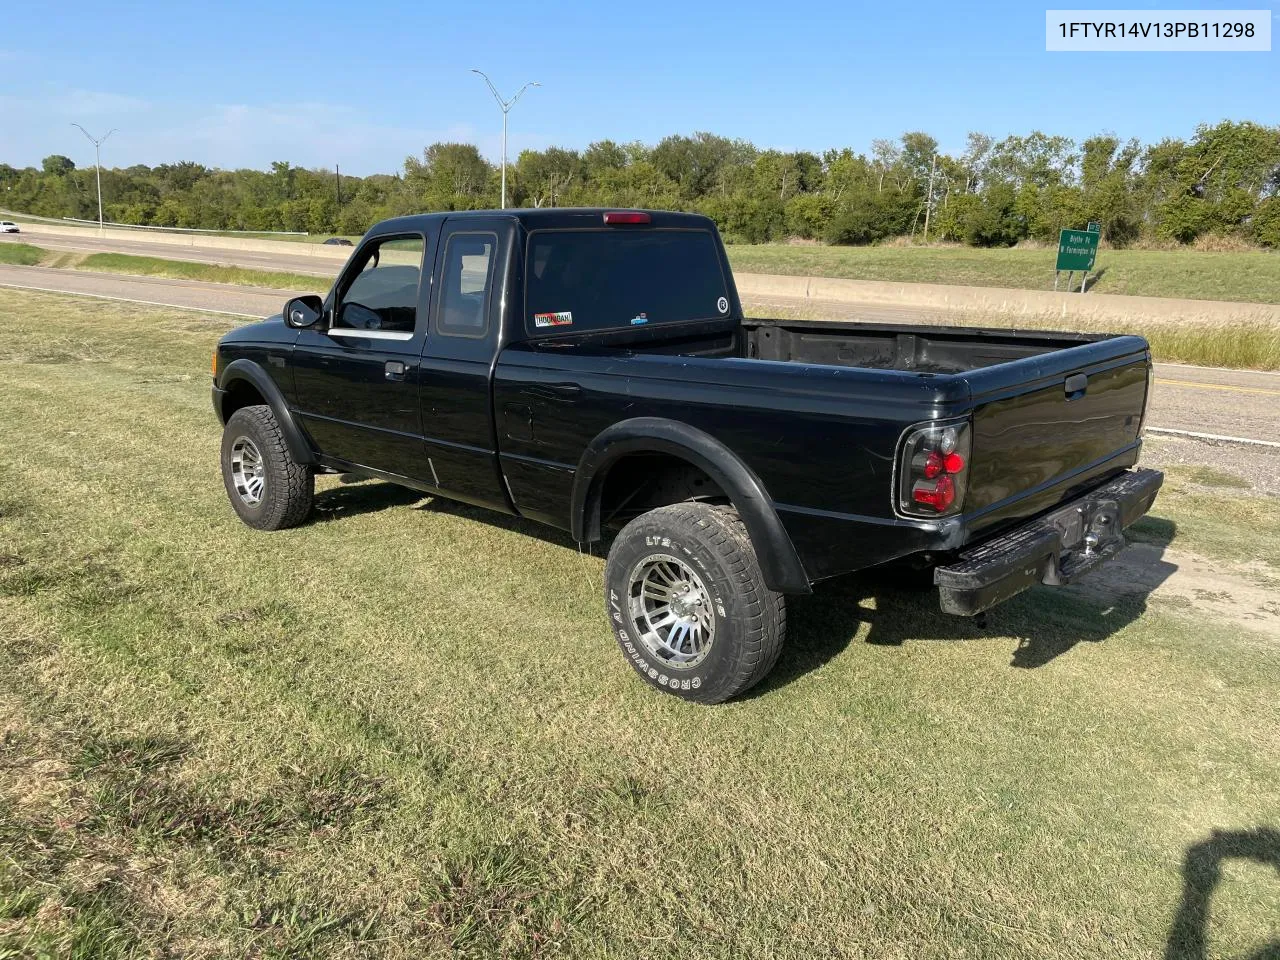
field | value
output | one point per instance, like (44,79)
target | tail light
(933,469)
(616,217)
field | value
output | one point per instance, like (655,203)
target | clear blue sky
(364,84)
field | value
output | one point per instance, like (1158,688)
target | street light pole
(505,106)
(97,163)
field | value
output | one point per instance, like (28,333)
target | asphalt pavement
(246,302)
(248,259)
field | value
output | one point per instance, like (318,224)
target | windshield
(583,280)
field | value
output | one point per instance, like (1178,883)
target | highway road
(249,259)
(1195,400)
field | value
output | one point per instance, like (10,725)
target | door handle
(395,369)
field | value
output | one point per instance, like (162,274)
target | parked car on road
(8,226)
(593,370)
(337,242)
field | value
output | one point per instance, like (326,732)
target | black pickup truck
(592,370)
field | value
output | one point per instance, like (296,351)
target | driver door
(356,373)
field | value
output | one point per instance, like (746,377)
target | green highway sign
(1077,249)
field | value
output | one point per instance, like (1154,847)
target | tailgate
(1047,427)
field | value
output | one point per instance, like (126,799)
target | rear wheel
(688,603)
(266,486)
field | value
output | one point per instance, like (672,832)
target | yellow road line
(1219,386)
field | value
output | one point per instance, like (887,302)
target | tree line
(1224,181)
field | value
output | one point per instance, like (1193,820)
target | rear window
(614,278)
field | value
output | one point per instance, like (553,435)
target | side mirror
(303,312)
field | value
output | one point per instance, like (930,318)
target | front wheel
(267,487)
(688,604)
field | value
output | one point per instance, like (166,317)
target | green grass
(187,270)
(1253,277)
(22,254)
(1209,477)
(404,730)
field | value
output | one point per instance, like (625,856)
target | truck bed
(926,349)
(1053,413)
(842,343)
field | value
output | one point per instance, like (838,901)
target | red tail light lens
(940,496)
(932,466)
(614,217)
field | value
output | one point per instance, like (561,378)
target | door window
(465,281)
(383,295)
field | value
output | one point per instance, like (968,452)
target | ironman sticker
(562,319)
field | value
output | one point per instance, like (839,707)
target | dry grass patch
(1250,276)
(1245,345)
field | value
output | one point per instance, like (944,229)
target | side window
(384,294)
(465,281)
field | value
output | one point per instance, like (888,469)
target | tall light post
(505,106)
(97,163)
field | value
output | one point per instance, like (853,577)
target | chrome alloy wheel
(248,472)
(670,609)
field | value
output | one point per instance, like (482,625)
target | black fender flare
(299,447)
(777,555)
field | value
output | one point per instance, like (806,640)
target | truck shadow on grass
(358,495)
(896,606)
(1202,869)
(355,496)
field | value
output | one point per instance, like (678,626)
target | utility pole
(505,106)
(928,204)
(337,172)
(97,163)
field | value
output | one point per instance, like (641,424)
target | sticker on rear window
(639,319)
(723,304)
(562,319)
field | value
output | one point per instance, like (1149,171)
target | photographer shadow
(1201,875)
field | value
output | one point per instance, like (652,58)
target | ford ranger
(593,370)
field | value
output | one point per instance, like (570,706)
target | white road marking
(148,303)
(1214,436)
(1196,366)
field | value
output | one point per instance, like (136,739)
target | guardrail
(140,226)
(203,240)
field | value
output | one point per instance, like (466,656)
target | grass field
(404,730)
(22,254)
(1252,277)
(187,270)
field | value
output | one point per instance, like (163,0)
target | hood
(271,330)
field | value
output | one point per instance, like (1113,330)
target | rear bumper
(1055,549)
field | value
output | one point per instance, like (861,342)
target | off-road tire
(750,619)
(288,486)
